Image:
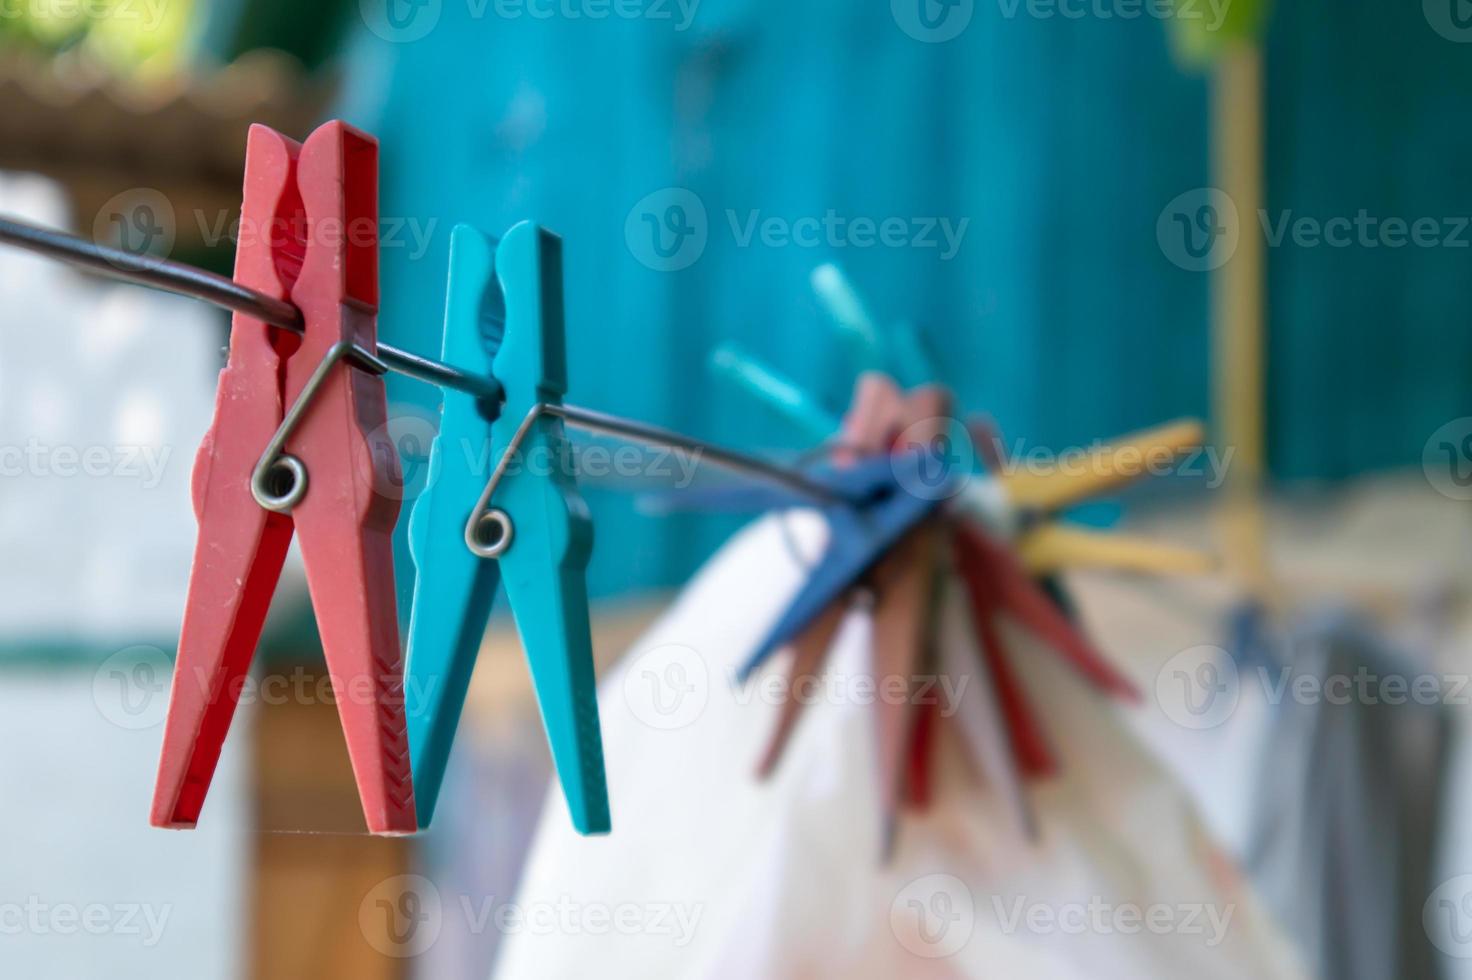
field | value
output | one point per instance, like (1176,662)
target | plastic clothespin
(871,423)
(783,395)
(859,536)
(901,577)
(904,621)
(897,350)
(1016,593)
(316,208)
(504,317)
(997,584)
(981,720)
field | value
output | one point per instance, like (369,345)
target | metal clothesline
(188,280)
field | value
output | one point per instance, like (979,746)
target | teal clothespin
(504,318)
(897,351)
(783,395)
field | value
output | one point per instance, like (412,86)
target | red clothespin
(309,236)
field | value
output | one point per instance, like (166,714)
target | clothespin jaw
(1050,547)
(1112,466)
(538,526)
(319,203)
(504,318)
(454,587)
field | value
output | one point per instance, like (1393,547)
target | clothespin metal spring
(279,480)
(489,530)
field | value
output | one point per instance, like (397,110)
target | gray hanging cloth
(1348,798)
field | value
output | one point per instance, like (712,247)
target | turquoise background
(1060,141)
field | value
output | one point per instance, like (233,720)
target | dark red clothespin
(309,235)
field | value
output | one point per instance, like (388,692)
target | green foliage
(125,36)
(1202,28)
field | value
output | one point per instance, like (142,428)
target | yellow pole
(1238,315)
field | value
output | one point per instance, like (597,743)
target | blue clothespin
(859,534)
(504,317)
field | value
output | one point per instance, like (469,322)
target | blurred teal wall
(1059,140)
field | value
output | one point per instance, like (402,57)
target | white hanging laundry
(711,874)
(105,391)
